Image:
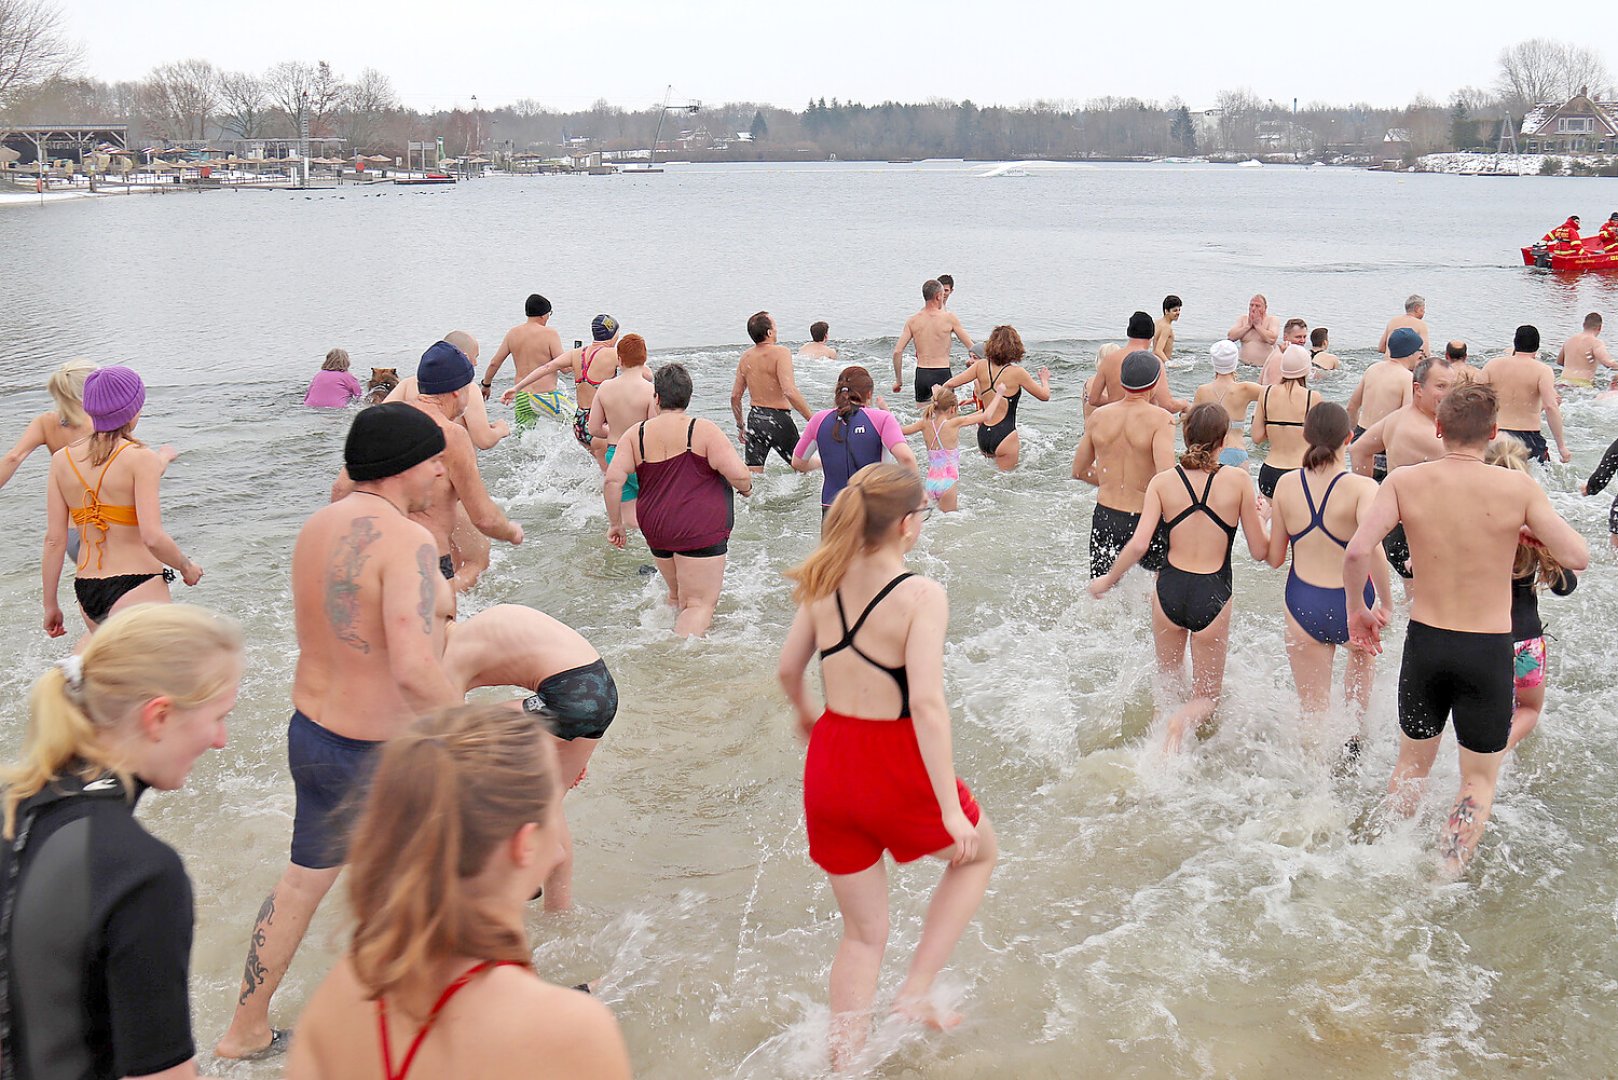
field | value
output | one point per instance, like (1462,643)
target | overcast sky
(439,53)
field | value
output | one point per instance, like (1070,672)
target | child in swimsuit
(940,427)
(1194,587)
(1533,570)
(879,775)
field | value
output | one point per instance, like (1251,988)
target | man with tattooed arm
(370,607)
(1463,520)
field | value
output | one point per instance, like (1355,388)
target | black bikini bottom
(97,595)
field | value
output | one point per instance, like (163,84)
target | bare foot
(276,1042)
(924,1011)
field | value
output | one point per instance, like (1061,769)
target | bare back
(1581,354)
(625,400)
(854,687)
(1410,437)
(1279,422)
(1385,387)
(760,369)
(512,645)
(128,479)
(349,556)
(931,330)
(1197,545)
(1401,322)
(1521,383)
(1127,437)
(1236,397)
(532,345)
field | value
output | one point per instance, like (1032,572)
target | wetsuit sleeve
(887,427)
(1604,471)
(806,443)
(1565,584)
(352,386)
(148,951)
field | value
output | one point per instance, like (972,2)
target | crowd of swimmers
(449,816)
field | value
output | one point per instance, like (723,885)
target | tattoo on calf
(254,973)
(343,582)
(427,563)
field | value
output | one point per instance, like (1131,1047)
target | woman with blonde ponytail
(459,831)
(1191,603)
(880,773)
(95,912)
(55,429)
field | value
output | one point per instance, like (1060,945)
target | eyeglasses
(925,511)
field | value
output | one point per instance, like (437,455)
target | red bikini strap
(443,999)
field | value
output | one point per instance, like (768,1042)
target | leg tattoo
(254,973)
(1458,832)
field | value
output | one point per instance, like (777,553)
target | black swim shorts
(770,429)
(1111,529)
(1453,672)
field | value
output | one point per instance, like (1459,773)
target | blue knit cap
(444,369)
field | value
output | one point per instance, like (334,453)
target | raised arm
(33,437)
(409,613)
(1040,387)
(1599,353)
(924,661)
(968,375)
(1237,332)
(549,367)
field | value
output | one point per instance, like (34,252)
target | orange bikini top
(97,514)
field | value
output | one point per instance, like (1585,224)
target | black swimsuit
(1269,475)
(1193,601)
(990,438)
(898,674)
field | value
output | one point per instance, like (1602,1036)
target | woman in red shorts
(880,775)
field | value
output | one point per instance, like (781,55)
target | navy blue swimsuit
(1321,612)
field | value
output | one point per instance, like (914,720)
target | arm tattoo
(255,972)
(427,563)
(343,582)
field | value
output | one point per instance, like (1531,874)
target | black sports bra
(898,674)
(1307,394)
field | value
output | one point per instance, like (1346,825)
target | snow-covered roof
(1396,135)
(1546,111)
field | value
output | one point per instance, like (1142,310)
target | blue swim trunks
(329,775)
(631,485)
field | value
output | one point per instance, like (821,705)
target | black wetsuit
(1601,478)
(95,940)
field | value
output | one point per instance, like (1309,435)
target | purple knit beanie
(112,397)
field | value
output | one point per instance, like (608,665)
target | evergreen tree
(1182,130)
(760,130)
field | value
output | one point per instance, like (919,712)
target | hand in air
(1045,377)
(616,536)
(965,835)
(506,398)
(53,621)
(191,574)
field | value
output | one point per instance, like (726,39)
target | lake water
(1206,916)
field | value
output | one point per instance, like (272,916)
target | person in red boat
(1609,233)
(1565,237)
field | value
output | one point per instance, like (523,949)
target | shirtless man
(764,373)
(510,645)
(1236,396)
(1526,387)
(1320,354)
(1385,387)
(1256,332)
(590,365)
(948,281)
(620,403)
(816,348)
(1163,330)
(1296,332)
(443,380)
(1124,445)
(370,609)
(1582,352)
(1407,436)
(1106,383)
(930,329)
(468,547)
(1414,318)
(1464,520)
(1456,353)
(530,345)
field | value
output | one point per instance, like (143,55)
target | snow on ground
(1502,164)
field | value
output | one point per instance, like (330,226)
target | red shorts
(865,791)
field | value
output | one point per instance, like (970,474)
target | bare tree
(244,105)
(366,101)
(1238,119)
(1539,70)
(34,47)
(179,99)
(294,88)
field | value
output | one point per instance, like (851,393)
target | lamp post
(303,132)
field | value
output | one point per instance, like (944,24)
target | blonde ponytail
(175,651)
(943,400)
(445,795)
(875,499)
(66,386)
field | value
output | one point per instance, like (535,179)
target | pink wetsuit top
(332,390)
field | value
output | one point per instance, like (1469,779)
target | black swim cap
(387,439)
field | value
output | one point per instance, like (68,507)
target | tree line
(192,100)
